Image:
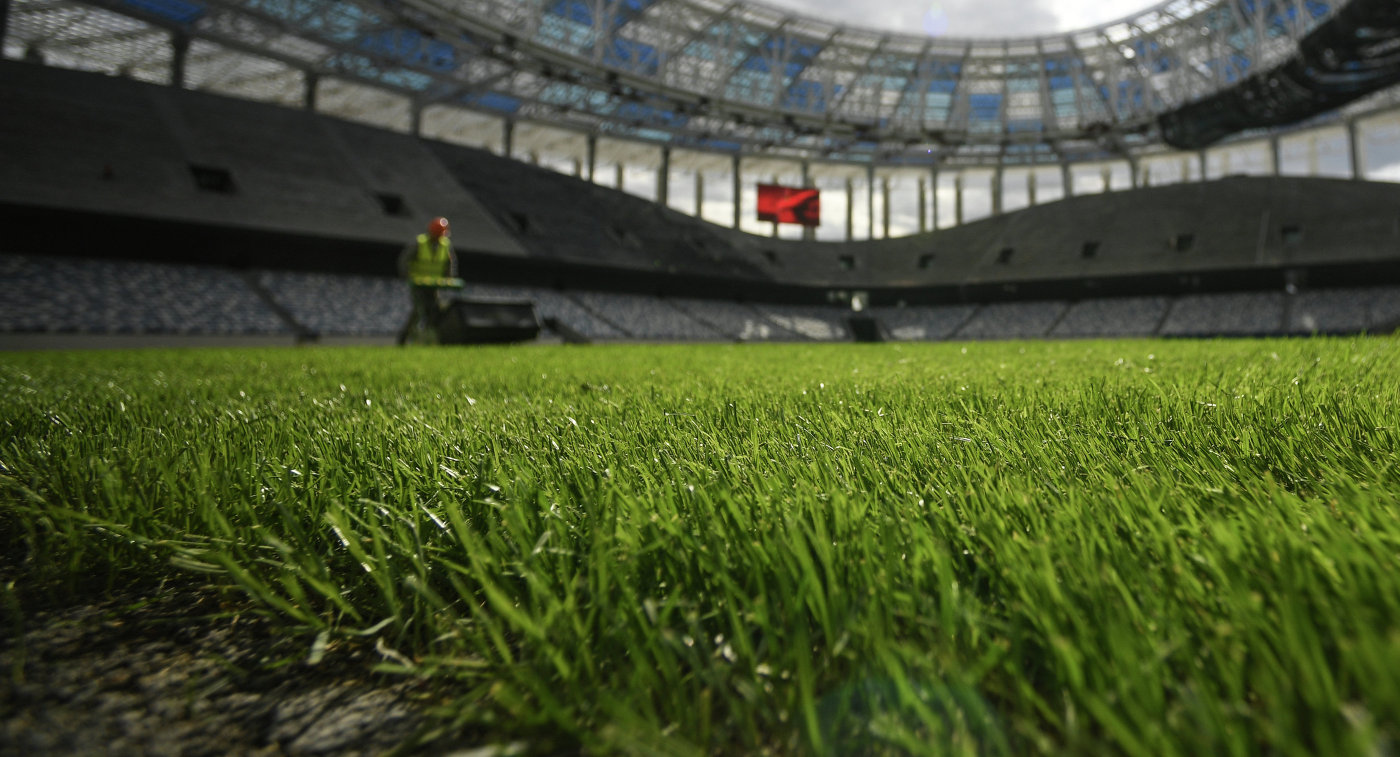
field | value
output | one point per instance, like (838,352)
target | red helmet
(438,227)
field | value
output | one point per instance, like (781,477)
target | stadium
(804,386)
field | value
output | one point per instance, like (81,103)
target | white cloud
(968,18)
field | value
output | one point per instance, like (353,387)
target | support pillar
(699,194)
(933,184)
(1201,163)
(415,119)
(774,180)
(1134,179)
(308,94)
(885,204)
(870,201)
(663,177)
(179,52)
(737,187)
(591,155)
(958,199)
(1030,187)
(1354,151)
(997,177)
(507,137)
(923,206)
(1275,155)
(1106,174)
(1185,170)
(617,175)
(850,210)
(1067,180)
(809,233)
(578,168)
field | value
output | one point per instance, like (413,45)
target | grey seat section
(1118,316)
(124,297)
(1012,320)
(1241,314)
(921,323)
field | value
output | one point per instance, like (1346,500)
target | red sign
(780,204)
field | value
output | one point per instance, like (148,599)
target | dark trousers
(424,316)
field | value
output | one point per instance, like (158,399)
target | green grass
(1135,547)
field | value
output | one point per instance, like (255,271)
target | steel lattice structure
(717,75)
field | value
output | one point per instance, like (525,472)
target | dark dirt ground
(180,671)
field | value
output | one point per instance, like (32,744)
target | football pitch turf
(1090,547)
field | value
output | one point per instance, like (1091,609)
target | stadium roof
(717,75)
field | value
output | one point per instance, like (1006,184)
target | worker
(427,262)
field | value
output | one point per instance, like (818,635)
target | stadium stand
(1195,259)
(1329,312)
(736,321)
(86,142)
(647,317)
(923,323)
(340,304)
(1109,317)
(1244,314)
(1383,310)
(79,295)
(121,297)
(1012,320)
(562,217)
(819,323)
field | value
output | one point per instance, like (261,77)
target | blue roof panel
(179,11)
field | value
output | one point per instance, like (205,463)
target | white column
(885,204)
(4,21)
(870,200)
(179,51)
(663,177)
(308,92)
(958,199)
(933,185)
(1354,151)
(923,206)
(774,180)
(735,167)
(850,210)
(591,155)
(996,190)
(809,233)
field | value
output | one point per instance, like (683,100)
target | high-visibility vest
(432,260)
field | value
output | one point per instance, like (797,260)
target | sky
(968,18)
